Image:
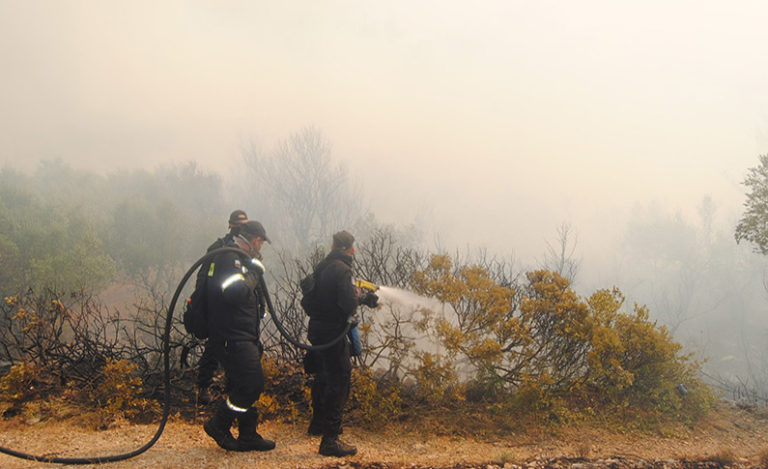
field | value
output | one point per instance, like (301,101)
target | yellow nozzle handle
(366,285)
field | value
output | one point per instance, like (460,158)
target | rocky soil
(729,437)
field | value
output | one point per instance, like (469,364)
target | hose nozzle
(366,285)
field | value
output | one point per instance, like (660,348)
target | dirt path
(738,434)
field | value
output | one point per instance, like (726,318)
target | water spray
(399,296)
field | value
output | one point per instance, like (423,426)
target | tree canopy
(753,226)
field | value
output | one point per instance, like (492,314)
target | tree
(70,229)
(560,257)
(301,193)
(161,222)
(753,225)
(670,264)
(50,242)
(479,322)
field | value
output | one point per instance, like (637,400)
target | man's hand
(369,299)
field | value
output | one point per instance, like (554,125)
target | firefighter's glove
(370,299)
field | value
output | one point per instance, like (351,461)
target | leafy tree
(71,229)
(71,257)
(559,329)
(45,242)
(13,202)
(161,222)
(753,226)
(480,323)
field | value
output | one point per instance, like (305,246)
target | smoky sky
(491,122)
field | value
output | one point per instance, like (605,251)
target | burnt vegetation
(487,340)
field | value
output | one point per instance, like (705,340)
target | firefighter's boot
(331,445)
(249,439)
(218,427)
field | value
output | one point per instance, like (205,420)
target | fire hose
(167,369)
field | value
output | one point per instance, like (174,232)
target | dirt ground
(739,434)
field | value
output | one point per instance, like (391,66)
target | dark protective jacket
(221,242)
(205,267)
(233,297)
(336,297)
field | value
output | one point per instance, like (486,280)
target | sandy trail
(742,434)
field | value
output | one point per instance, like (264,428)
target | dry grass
(504,458)
(763,458)
(723,457)
(583,450)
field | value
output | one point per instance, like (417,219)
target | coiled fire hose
(167,370)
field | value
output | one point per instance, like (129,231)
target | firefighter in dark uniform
(234,288)
(208,363)
(337,301)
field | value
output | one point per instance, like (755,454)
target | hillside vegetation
(498,352)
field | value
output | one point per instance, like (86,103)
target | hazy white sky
(493,120)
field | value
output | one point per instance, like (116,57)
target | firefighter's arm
(366,293)
(236,281)
(369,299)
(347,294)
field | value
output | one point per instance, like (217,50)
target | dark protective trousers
(330,389)
(242,365)
(207,365)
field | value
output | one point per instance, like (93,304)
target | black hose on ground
(167,371)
